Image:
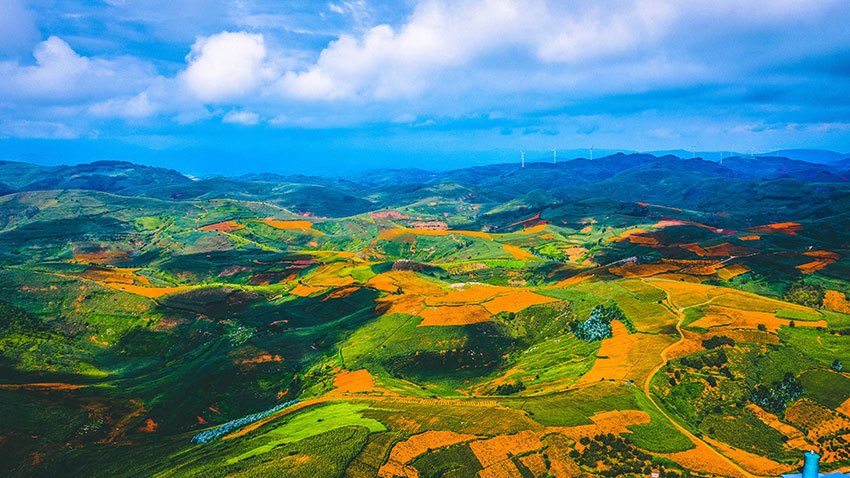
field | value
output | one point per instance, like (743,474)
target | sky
(299,86)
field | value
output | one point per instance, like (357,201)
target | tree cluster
(598,324)
(14,320)
(510,388)
(619,456)
(810,295)
(776,397)
(717,341)
(712,359)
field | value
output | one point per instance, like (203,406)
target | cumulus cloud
(470,36)
(241,117)
(18,26)
(226,65)
(61,74)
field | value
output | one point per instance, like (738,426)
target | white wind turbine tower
(591,151)
(522,153)
(554,156)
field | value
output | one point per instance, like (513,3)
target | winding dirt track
(696,440)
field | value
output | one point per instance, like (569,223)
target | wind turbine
(591,152)
(522,153)
(554,156)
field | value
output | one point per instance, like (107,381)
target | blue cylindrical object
(810,466)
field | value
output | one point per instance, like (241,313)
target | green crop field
(459,327)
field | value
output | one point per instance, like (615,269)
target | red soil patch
(501,447)
(790,228)
(614,421)
(623,237)
(453,315)
(628,356)
(718,316)
(341,293)
(750,238)
(823,259)
(731,271)
(634,269)
(269,278)
(518,253)
(388,215)
(532,218)
(405,452)
(399,304)
(702,459)
(836,302)
(303,290)
(534,229)
(656,205)
(301,225)
(40,386)
(515,302)
(102,256)
(390,234)
(353,382)
(150,426)
(225,226)
(264,358)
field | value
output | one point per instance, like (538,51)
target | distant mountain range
(623,177)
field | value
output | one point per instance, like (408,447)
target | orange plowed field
(614,421)
(515,302)
(790,228)
(150,292)
(303,290)
(470,294)
(405,452)
(818,420)
(453,315)
(353,382)
(702,459)
(501,447)
(836,301)
(629,356)
(732,270)
(224,226)
(718,316)
(686,294)
(102,256)
(642,270)
(518,253)
(390,234)
(301,225)
(822,259)
(755,464)
(407,281)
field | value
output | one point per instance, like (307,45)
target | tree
(810,295)
(837,365)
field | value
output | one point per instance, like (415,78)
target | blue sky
(296,86)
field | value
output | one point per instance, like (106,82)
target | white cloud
(60,74)
(241,117)
(139,106)
(226,65)
(468,37)
(36,130)
(18,26)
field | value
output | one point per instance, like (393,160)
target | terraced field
(427,336)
